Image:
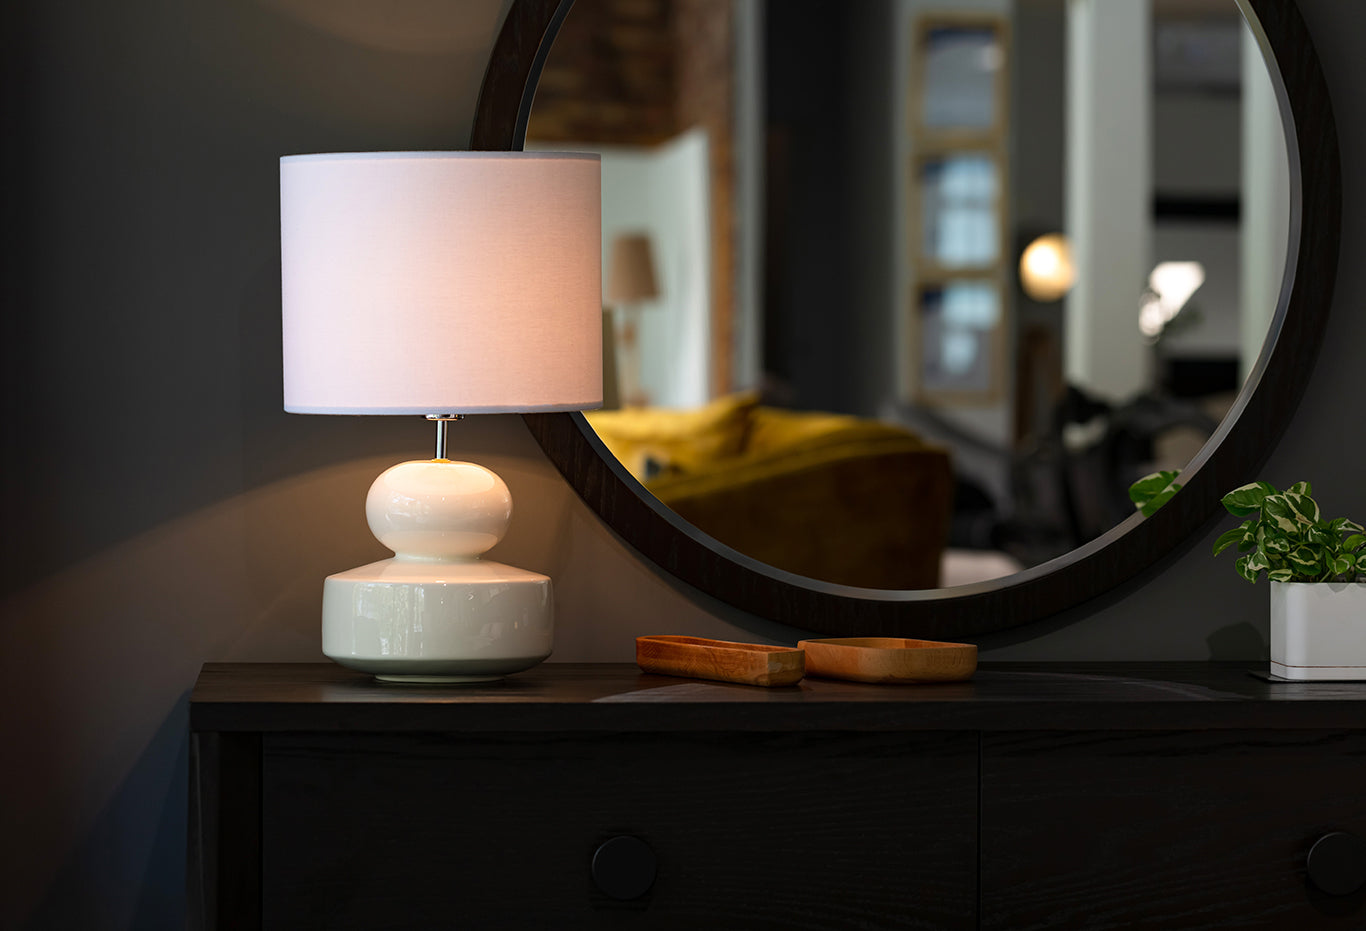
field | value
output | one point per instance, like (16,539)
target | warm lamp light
(441,284)
(1046,269)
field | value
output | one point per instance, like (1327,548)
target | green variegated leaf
(1247,499)
(1257,561)
(1280,575)
(1241,536)
(1244,571)
(1279,514)
(1342,564)
(1320,536)
(1149,507)
(1353,543)
(1299,488)
(1351,526)
(1149,486)
(1305,561)
(1305,508)
(1152,491)
(1361,562)
(1277,545)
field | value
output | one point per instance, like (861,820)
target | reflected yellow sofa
(826,496)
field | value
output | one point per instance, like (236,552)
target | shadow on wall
(130,866)
(1237,642)
(103,651)
(148,134)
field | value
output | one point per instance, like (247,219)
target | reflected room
(903,294)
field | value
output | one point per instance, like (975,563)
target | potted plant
(1315,566)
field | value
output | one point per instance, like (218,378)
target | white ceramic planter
(1318,630)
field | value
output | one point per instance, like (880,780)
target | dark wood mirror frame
(1232,456)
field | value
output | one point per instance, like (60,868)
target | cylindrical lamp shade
(441,282)
(632,271)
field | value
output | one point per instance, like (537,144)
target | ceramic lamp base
(417,622)
(437,612)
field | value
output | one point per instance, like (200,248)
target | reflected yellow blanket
(826,496)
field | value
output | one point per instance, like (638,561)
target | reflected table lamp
(440,284)
(632,280)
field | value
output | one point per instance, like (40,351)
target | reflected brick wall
(638,73)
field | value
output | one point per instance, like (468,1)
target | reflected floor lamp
(632,282)
(440,284)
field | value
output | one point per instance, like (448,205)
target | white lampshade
(441,282)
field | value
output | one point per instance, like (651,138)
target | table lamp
(441,284)
(632,281)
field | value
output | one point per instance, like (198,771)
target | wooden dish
(893,660)
(699,658)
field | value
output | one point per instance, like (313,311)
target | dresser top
(619,697)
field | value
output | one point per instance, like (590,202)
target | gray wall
(163,512)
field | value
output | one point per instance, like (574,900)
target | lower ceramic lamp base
(437,612)
(419,623)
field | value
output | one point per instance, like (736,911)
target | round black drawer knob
(624,867)
(1337,863)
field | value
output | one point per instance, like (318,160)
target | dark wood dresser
(1164,795)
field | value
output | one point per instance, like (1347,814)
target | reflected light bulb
(1046,269)
(1151,319)
(1170,286)
(1176,282)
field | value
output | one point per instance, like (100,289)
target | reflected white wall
(664,191)
(1265,203)
(1109,192)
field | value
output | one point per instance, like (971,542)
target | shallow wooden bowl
(699,658)
(892,660)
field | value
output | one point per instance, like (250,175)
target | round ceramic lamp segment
(440,283)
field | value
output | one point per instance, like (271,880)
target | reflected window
(957,325)
(958,205)
(960,115)
(961,67)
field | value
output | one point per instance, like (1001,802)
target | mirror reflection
(905,293)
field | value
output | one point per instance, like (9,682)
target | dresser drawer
(1166,830)
(747,830)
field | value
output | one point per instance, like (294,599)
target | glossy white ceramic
(436,611)
(438,509)
(1318,630)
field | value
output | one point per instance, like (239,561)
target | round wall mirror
(839,396)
